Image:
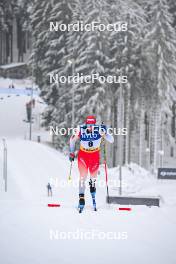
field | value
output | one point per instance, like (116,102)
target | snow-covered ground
(33,233)
(29,229)
(17,83)
(137,181)
(13,110)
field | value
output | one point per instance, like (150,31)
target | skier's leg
(82,183)
(93,191)
(82,187)
(93,168)
(83,170)
(92,185)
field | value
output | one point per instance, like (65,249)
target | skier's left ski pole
(69,177)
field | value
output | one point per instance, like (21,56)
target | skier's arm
(73,140)
(106,134)
(109,138)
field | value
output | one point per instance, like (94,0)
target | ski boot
(93,192)
(81,202)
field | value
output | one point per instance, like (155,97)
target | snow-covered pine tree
(3,10)
(54,60)
(87,53)
(63,113)
(91,58)
(8,11)
(125,53)
(160,43)
(39,26)
(172,9)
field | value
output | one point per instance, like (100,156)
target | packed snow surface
(33,233)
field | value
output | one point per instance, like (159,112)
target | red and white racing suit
(89,154)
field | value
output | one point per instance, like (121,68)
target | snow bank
(137,181)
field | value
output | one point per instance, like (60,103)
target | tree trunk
(127,126)
(141,131)
(154,138)
(114,112)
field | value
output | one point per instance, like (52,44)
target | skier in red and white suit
(90,136)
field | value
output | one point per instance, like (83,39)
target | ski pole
(69,177)
(106,171)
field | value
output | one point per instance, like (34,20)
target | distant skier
(90,136)
(49,189)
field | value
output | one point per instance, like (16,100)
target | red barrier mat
(53,205)
(125,209)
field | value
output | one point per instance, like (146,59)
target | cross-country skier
(90,136)
(49,189)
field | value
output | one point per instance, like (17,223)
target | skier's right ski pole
(69,177)
(106,171)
